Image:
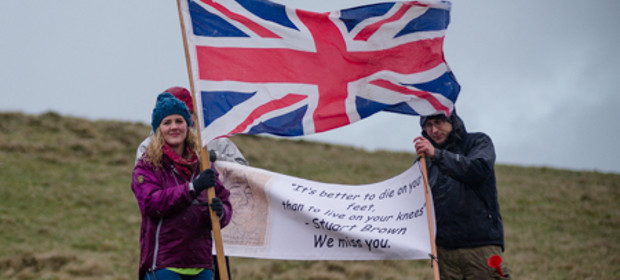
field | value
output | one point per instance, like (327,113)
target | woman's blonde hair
(154,151)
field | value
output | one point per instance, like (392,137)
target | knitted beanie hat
(183,95)
(424,119)
(168,105)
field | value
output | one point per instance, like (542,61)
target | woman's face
(174,130)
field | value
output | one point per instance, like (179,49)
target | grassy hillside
(67,210)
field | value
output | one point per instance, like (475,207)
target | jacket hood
(456,135)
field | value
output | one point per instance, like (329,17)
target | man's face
(438,130)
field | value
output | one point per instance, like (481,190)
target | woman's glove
(217,207)
(205,180)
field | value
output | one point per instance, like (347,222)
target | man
(461,175)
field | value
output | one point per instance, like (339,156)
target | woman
(175,235)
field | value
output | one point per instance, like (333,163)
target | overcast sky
(540,77)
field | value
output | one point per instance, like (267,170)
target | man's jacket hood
(457,134)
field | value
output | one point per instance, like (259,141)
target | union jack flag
(262,67)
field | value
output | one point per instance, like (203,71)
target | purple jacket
(176,229)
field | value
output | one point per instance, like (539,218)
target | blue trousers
(164,274)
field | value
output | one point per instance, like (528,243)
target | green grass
(67,210)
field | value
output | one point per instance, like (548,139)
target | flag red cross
(330,67)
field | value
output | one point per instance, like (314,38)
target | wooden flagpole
(205,163)
(429,217)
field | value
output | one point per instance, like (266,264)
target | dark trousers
(164,274)
(469,263)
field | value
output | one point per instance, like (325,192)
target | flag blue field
(261,67)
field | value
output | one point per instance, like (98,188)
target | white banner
(282,217)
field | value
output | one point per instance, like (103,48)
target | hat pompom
(182,94)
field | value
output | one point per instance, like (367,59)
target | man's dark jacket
(462,180)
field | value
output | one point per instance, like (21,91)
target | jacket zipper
(157,232)
(161,220)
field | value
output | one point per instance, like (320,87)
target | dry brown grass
(67,210)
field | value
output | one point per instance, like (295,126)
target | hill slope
(67,210)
